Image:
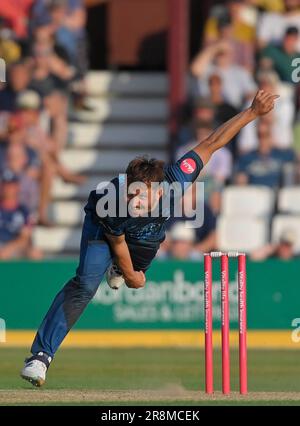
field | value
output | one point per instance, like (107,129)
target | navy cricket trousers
(68,305)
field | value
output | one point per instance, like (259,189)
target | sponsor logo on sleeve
(188,166)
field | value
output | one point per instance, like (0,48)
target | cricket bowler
(123,246)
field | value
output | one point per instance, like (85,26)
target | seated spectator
(67,20)
(218,59)
(16,14)
(215,176)
(280,57)
(204,111)
(281,119)
(50,72)
(15,222)
(10,51)
(224,111)
(55,117)
(234,22)
(40,142)
(19,75)
(17,162)
(207,113)
(204,236)
(181,242)
(202,114)
(265,165)
(16,135)
(269,5)
(272,25)
(283,250)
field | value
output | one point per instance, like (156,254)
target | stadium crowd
(247,44)
(43,44)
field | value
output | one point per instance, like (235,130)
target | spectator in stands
(218,59)
(34,103)
(269,5)
(284,113)
(281,119)
(16,13)
(17,162)
(15,222)
(283,250)
(23,161)
(280,57)
(204,236)
(16,135)
(234,22)
(265,165)
(50,72)
(207,113)
(223,110)
(181,242)
(67,19)
(46,149)
(56,118)
(52,80)
(202,114)
(204,111)
(10,50)
(273,24)
(19,75)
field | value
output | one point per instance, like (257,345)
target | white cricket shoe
(114,277)
(35,369)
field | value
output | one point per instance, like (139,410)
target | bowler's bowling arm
(261,105)
(133,279)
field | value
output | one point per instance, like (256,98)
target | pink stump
(242,323)
(209,382)
(225,325)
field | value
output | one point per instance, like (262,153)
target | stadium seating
(67,213)
(96,161)
(248,201)
(281,223)
(57,240)
(84,135)
(242,234)
(68,191)
(124,83)
(245,217)
(124,110)
(289,200)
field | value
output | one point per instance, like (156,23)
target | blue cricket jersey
(145,234)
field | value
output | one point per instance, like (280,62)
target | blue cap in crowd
(8,176)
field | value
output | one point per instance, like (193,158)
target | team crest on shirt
(188,166)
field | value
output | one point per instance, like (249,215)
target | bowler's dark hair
(144,169)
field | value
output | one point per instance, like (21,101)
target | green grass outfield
(149,376)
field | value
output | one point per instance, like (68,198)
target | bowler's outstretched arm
(262,104)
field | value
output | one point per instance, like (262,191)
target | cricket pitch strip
(44,397)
